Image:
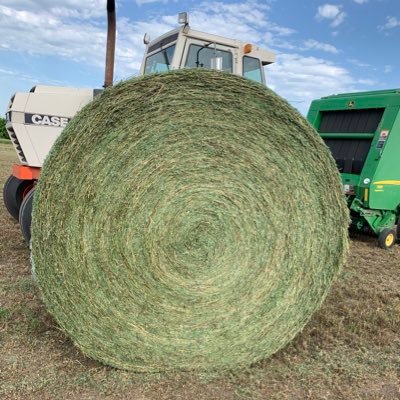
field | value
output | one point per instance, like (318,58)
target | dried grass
(189,220)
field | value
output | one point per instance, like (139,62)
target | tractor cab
(186,48)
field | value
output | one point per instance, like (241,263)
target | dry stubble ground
(349,350)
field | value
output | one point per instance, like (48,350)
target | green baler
(362,131)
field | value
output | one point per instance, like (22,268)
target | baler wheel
(387,238)
(25,215)
(14,191)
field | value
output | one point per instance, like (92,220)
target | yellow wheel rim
(389,239)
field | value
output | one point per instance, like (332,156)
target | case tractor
(35,119)
(362,131)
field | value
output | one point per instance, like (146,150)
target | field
(349,350)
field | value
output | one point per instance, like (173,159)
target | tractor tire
(14,191)
(25,215)
(387,238)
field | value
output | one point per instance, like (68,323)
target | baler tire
(387,238)
(14,191)
(25,215)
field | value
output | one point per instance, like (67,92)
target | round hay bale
(188,220)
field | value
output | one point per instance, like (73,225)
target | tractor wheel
(387,238)
(14,191)
(25,215)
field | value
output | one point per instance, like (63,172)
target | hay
(189,220)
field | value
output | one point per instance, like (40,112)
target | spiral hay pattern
(188,220)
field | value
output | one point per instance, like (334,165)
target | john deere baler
(362,131)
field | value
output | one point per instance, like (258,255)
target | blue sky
(322,47)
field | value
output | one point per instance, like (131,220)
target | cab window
(160,61)
(209,57)
(252,69)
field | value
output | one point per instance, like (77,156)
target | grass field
(349,350)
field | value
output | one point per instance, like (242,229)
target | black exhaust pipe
(110,53)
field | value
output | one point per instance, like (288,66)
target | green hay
(188,220)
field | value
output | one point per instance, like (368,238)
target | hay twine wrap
(188,220)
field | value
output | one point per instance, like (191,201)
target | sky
(322,47)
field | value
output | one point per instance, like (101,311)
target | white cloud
(230,19)
(5,71)
(367,82)
(247,21)
(27,17)
(141,2)
(361,1)
(312,44)
(328,11)
(62,8)
(358,63)
(302,79)
(388,69)
(18,75)
(391,23)
(44,33)
(331,12)
(281,30)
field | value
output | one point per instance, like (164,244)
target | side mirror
(146,39)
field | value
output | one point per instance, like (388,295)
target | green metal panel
(385,187)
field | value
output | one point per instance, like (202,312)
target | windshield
(160,61)
(207,57)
